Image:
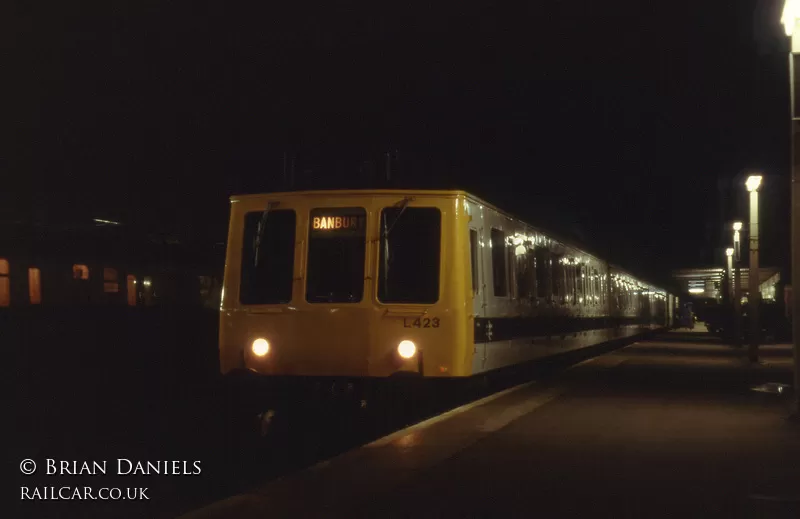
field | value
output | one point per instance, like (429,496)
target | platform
(656,429)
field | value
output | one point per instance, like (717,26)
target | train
(373,285)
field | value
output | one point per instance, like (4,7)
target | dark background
(625,124)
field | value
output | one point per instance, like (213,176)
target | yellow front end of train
(347,284)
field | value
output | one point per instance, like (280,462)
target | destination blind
(337,222)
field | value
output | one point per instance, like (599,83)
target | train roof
(355,192)
(448,193)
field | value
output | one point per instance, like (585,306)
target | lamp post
(753,183)
(729,273)
(737,286)
(790,19)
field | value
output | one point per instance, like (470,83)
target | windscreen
(268,257)
(336,247)
(409,255)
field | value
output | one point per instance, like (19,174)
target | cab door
(478,288)
(476,272)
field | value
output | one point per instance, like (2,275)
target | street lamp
(753,183)
(729,279)
(790,20)
(737,286)
(791,13)
(737,226)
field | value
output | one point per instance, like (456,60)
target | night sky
(624,123)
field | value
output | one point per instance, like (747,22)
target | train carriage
(383,283)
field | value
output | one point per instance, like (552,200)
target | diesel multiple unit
(383,283)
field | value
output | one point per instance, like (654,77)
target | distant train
(99,265)
(384,283)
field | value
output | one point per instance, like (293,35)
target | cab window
(267,257)
(409,255)
(336,251)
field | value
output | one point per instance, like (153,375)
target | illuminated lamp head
(791,12)
(406,349)
(260,347)
(753,182)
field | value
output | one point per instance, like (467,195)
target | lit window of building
(131,286)
(80,272)
(35,285)
(5,284)
(110,280)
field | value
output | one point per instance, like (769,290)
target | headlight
(406,349)
(260,347)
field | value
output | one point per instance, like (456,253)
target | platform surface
(662,428)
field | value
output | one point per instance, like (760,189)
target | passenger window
(110,281)
(603,287)
(589,286)
(80,272)
(525,274)
(131,286)
(575,294)
(559,277)
(35,285)
(473,255)
(598,289)
(512,271)
(541,272)
(499,273)
(5,285)
(530,270)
